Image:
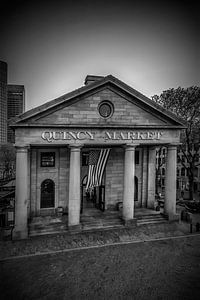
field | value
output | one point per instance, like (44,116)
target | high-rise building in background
(3,102)
(15,106)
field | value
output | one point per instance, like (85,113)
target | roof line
(84,89)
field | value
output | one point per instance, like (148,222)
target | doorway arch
(47,194)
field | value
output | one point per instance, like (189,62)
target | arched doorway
(47,194)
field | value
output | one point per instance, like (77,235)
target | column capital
(22,149)
(130,147)
(152,147)
(172,146)
(75,147)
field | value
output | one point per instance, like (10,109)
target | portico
(54,143)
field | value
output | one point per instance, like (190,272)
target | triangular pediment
(81,108)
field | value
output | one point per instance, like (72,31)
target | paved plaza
(163,269)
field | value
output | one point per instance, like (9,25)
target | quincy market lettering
(51,136)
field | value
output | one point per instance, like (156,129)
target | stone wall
(85,111)
(114,178)
(59,174)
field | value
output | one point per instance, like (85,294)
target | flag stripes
(97,163)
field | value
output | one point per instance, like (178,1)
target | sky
(51,46)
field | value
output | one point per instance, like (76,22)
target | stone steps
(102,223)
(151,219)
(41,229)
(89,223)
(88,205)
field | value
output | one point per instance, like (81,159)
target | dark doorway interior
(47,193)
(93,198)
(136,189)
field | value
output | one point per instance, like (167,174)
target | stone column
(151,177)
(144,177)
(170,183)
(129,184)
(74,188)
(21,194)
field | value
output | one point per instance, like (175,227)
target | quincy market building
(54,142)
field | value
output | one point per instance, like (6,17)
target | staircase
(151,219)
(92,219)
(95,219)
(42,226)
(102,224)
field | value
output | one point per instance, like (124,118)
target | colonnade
(22,186)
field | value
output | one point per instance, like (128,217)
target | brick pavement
(63,241)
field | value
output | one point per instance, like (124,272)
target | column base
(151,203)
(130,222)
(172,217)
(74,228)
(20,234)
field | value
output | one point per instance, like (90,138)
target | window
(85,159)
(163,171)
(47,159)
(47,193)
(106,109)
(137,157)
(136,189)
(195,172)
(196,158)
(182,172)
(177,184)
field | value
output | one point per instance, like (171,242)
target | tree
(7,157)
(159,164)
(185,103)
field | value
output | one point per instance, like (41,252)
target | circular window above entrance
(106,109)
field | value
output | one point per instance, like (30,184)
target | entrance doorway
(47,194)
(92,198)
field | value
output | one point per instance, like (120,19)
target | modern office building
(12,103)
(97,143)
(15,106)
(3,102)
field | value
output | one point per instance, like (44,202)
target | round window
(105,109)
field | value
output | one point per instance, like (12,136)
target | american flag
(97,162)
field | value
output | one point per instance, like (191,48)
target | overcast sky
(50,46)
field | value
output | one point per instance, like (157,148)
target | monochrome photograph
(99,150)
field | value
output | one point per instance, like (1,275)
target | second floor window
(47,159)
